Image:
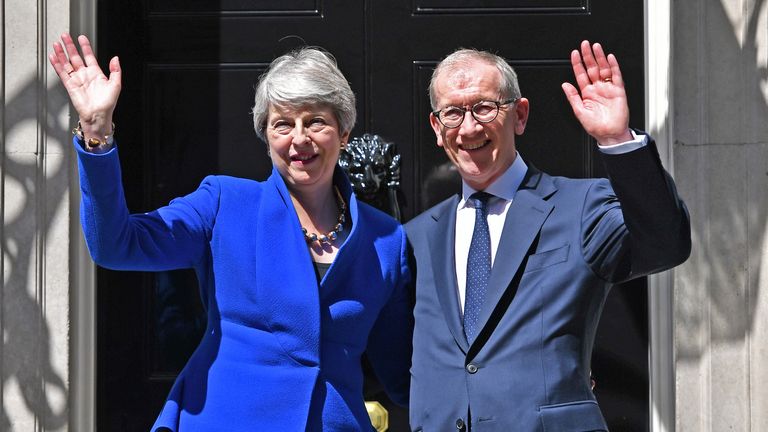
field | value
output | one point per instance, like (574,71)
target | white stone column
(659,100)
(721,164)
(41,265)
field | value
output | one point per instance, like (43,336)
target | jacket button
(471,368)
(460,424)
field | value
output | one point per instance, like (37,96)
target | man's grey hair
(466,57)
(305,76)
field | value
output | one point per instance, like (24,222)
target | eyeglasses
(483,112)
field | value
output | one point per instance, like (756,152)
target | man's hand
(600,103)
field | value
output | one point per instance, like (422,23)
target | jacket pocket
(578,416)
(547,258)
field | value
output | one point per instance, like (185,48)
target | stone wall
(35,176)
(721,165)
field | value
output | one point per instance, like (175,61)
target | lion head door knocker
(373,167)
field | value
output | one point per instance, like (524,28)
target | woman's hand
(93,95)
(600,103)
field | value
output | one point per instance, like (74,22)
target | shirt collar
(503,187)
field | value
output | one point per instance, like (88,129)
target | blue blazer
(279,352)
(565,242)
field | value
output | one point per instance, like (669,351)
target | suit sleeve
(637,225)
(390,341)
(171,237)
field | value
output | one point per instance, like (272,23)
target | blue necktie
(478,265)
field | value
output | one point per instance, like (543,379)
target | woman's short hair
(466,57)
(305,76)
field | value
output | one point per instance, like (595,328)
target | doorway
(189,72)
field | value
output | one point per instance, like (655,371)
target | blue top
(278,350)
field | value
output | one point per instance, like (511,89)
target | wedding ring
(607,80)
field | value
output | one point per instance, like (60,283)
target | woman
(297,276)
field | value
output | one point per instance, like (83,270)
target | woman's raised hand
(93,95)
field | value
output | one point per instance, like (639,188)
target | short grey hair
(466,57)
(305,76)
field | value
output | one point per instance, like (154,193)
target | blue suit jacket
(565,242)
(279,351)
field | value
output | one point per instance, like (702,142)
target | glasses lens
(451,116)
(485,111)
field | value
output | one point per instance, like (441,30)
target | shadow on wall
(29,377)
(730,233)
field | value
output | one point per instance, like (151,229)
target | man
(510,286)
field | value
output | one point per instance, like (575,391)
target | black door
(189,72)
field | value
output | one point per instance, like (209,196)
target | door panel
(537,42)
(190,67)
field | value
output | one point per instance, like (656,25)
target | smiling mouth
(470,147)
(303,158)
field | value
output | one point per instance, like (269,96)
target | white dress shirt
(503,189)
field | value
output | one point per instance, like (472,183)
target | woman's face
(304,144)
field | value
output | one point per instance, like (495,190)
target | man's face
(480,151)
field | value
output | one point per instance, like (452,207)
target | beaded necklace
(332,235)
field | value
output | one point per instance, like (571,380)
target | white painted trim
(658,103)
(83,282)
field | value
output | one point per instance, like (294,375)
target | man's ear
(521,108)
(436,126)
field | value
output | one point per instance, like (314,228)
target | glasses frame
(464,110)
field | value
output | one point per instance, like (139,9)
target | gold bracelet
(92,143)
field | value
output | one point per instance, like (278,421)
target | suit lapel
(526,215)
(284,275)
(345,257)
(441,244)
